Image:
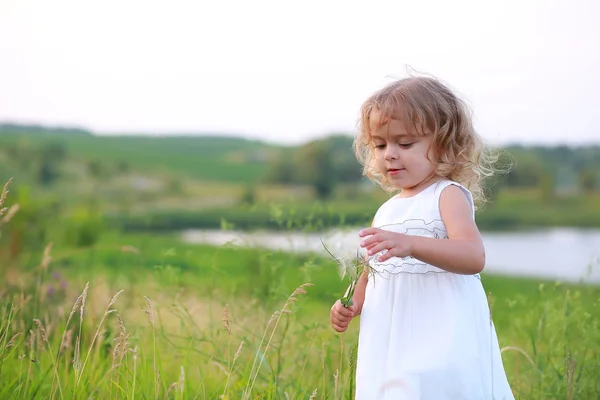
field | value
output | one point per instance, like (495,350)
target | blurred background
(143,116)
(163,128)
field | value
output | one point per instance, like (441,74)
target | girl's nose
(391,153)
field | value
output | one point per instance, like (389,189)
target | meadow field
(101,298)
(145,316)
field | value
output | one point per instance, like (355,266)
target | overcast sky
(291,71)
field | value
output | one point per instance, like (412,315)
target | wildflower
(353,268)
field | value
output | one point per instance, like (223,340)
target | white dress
(425,333)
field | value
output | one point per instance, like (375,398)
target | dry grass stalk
(44,336)
(178,386)
(130,249)
(150,313)
(77,353)
(107,312)
(10,214)
(336,376)
(171,388)
(121,345)
(23,301)
(518,350)
(299,290)
(181,382)
(12,340)
(235,357)
(42,330)
(313,395)
(237,353)
(3,196)
(276,318)
(135,357)
(83,298)
(3,210)
(221,367)
(225,319)
(227,328)
(46,258)
(31,340)
(68,342)
(77,305)
(113,301)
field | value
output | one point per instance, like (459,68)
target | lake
(563,254)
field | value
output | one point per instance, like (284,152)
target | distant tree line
(19,128)
(326,162)
(45,160)
(321,163)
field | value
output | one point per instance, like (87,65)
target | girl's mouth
(394,171)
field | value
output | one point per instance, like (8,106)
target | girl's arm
(461,253)
(359,292)
(361,287)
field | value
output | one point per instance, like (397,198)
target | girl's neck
(415,190)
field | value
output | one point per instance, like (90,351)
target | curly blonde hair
(427,106)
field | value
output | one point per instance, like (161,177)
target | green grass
(166,335)
(180,344)
(511,211)
(308,215)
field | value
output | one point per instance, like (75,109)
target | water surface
(563,254)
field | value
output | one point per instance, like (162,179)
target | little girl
(425,328)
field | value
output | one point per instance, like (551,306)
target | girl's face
(403,157)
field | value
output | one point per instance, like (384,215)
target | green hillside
(212,158)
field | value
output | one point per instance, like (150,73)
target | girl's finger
(340,318)
(369,241)
(343,311)
(371,246)
(385,256)
(393,252)
(368,231)
(379,242)
(340,321)
(378,248)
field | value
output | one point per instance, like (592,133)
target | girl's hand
(396,244)
(341,316)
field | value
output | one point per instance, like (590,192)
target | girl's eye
(406,145)
(380,146)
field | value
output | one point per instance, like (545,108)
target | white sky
(292,71)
